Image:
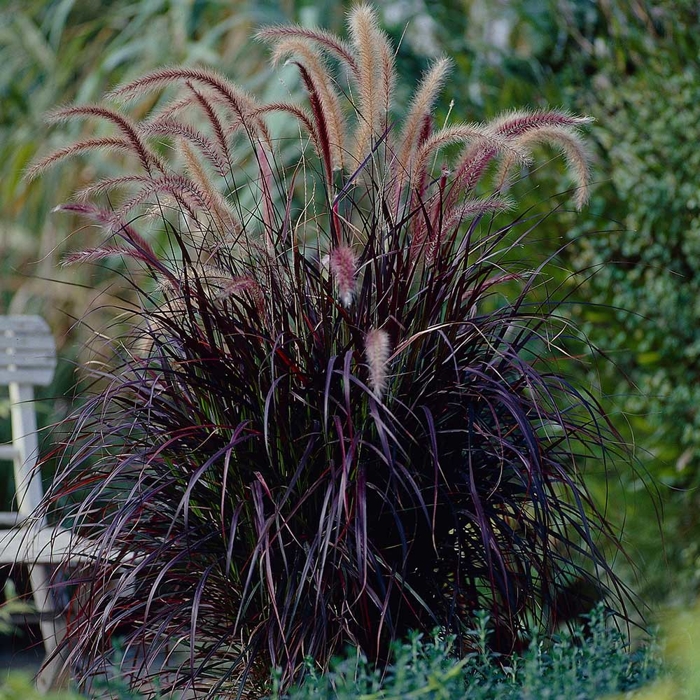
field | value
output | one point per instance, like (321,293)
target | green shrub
(642,245)
(576,665)
(585,663)
(648,265)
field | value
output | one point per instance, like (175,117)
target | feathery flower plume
(343,266)
(377,351)
(243,284)
(571,146)
(459,133)
(330,43)
(519,121)
(217,207)
(238,101)
(367,40)
(100,253)
(110,143)
(171,127)
(421,108)
(470,208)
(323,84)
(388,75)
(125,125)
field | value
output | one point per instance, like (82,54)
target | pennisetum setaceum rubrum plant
(338,416)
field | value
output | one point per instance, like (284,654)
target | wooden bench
(28,359)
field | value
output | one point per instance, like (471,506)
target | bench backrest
(27,359)
(27,351)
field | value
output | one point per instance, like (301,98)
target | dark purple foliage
(339,417)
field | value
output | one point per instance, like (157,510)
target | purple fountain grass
(339,417)
(342,262)
(377,351)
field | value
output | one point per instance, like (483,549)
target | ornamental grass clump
(338,418)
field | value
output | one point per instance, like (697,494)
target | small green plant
(582,663)
(340,416)
(18,685)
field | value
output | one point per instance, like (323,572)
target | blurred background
(628,266)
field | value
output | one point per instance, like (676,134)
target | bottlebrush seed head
(236,285)
(343,266)
(377,351)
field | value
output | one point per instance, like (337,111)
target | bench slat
(45,546)
(32,376)
(24,324)
(11,519)
(27,351)
(28,358)
(27,342)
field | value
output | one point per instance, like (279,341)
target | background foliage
(634,67)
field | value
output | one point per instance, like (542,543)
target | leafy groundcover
(593,661)
(589,662)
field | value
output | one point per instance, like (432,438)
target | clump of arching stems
(339,416)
